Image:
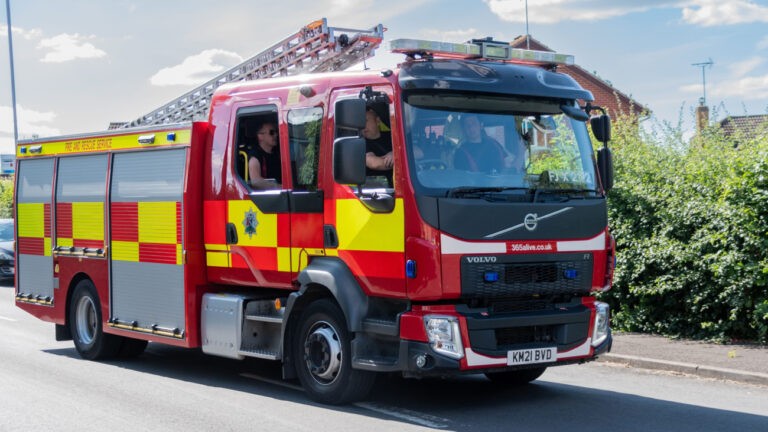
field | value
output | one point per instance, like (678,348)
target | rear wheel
(515,377)
(86,325)
(323,357)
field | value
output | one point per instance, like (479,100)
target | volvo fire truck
(482,256)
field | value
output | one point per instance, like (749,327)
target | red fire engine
(479,252)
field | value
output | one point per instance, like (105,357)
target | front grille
(527,276)
(530,273)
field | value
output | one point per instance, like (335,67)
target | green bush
(690,219)
(6,198)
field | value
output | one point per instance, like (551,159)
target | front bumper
(439,365)
(487,339)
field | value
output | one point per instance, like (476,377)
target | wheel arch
(324,277)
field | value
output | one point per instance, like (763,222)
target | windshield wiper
(566,194)
(478,192)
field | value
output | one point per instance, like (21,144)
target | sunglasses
(270,132)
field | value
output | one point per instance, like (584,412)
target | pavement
(746,363)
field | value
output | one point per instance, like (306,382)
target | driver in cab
(478,151)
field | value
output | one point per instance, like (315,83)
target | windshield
(471,143)
(6,230)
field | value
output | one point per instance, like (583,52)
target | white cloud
(197,68)
(66,47)
(763,44)
(742,68)
(20,32)
(31,122)
(698,12)
(451,35)
(709,13)
(746,88)
(553,11)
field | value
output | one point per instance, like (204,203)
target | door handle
(231,233)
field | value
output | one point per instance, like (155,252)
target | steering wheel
(430,165)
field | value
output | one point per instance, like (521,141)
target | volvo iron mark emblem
(530,222)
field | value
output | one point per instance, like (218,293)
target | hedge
(690,219)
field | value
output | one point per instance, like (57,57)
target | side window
(257,145)
(379,160)
(304,126)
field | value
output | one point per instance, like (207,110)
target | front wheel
(86,325)
(323,357)
(515,377)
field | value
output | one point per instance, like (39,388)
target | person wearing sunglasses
(264,170)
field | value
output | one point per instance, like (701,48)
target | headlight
(600,333)
(444,335)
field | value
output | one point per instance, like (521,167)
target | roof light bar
(482,50)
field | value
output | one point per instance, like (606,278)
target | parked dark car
(7,266)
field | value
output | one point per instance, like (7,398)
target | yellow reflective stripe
(361,229)
(157,222)
(88,220)
(68,242)
(103,143)
(179,254)
(284,259)
(217,247)
(218,259)
(265,233)
(31,219)
(47,246)
(125,251)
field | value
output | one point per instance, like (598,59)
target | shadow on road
(468,403)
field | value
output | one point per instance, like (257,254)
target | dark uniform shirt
(379,147)
(270,163)
(486,156)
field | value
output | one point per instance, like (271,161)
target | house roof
(746,126)
(607,96)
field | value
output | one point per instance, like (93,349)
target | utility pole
(13,75)
(527,33)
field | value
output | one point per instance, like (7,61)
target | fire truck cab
(480,251)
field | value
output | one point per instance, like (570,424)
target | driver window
(379,159)
(258,150)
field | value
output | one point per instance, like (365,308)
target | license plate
(531,356)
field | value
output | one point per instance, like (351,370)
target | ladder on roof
(316,47)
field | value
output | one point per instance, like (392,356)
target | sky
(81,64)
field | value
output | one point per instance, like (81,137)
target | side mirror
(601,127)
(574,112)
(349,160)
(605,167)
(350,114)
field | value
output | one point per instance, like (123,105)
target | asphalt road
(44,386)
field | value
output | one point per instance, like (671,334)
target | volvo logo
(481,259)
(530,222)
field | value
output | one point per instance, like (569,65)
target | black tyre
(323,359)
(85,324)
(515,377)
(132,347)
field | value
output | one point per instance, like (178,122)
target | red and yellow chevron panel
(147,232)
(80,224)
(34,228)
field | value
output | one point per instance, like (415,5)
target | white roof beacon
(479,49)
